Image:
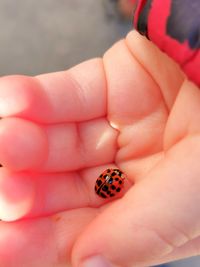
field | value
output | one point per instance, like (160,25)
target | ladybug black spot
(112,195)
(108,170)
(99,182)
(103,195)
(116,179)
(113,187)
(105,176)
(118,189)
(110,181)
(113,174)
(105,188)
(108,192)
(120,182)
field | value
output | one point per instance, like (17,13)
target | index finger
(78,94)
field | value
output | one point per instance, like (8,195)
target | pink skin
(134,110)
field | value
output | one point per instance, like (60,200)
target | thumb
(152,221)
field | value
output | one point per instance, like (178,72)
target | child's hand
(59,137)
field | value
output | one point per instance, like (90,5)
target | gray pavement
(48,35)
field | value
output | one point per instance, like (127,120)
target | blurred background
(47,35)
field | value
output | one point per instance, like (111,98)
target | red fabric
(189,59)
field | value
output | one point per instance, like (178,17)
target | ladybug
(109,183)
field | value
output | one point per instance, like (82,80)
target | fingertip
(16,195)
(14,96)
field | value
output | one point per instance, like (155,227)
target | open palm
(133,110)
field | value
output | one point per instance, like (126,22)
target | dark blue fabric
(184,22)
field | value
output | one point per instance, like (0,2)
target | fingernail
(96,261)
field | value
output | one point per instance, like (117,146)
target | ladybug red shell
(109,183)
